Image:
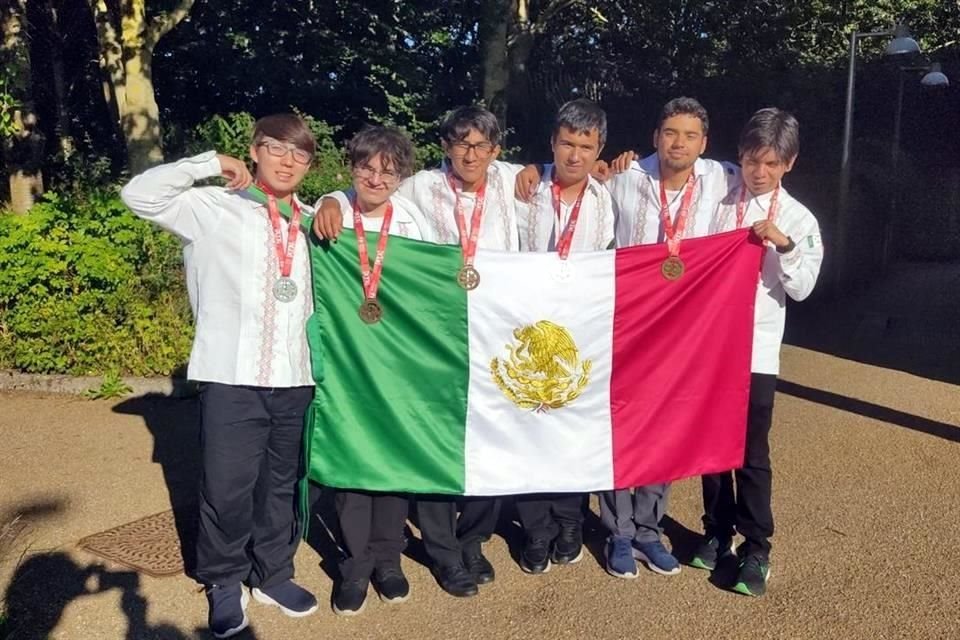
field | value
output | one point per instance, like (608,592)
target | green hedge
(88,288)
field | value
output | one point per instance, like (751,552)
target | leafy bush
(87,288)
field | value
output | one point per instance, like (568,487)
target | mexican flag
(606,375)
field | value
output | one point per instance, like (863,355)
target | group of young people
(247,268)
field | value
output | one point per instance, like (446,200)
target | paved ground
(867,479)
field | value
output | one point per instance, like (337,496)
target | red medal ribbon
(371,277)
(284,253)
(566,237)
(468,243)
(674,233)
(742,205)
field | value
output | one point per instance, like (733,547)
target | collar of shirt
(593,186)
(304,207)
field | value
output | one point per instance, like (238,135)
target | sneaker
(753,575)
(568,546)
(457,581)
(293,600)
(620,562)
(228,609)
(535,557)
(711,551)
(391,584)
(656,557)
(350,597)
(478,566)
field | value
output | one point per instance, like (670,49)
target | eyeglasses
(482,149)
(366,172)
(279,149)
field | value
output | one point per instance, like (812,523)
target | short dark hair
(685,106)
(582,115)
(394,147)
(456,126)
(285,127)
(771,128)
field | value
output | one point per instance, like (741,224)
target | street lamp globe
(935,78)
(902,43)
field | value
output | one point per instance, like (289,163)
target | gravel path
(867,500)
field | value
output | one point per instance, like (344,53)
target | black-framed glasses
(279,149)
(462,148)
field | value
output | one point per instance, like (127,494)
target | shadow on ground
(44,585)
(174,424)
(871,410)
(908,320)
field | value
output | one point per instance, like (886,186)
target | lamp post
(933,78)
(901,44)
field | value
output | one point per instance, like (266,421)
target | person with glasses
(248,279)
(469,197)
(371,524)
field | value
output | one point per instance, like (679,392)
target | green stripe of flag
(371,376)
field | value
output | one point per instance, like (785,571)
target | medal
(673,267)
(565,239)
(285,289)
(370,310)
(468,277)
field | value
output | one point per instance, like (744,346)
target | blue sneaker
(228,609)
(656,557)
(620,562)
(294,601)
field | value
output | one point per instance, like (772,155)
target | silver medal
(285,290)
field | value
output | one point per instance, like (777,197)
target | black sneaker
(456,580)
(293,600)
(535,557)
(391,584)
(568,547)
(228,609)
(753,575)
(350,597)
(478,566)
(711,551)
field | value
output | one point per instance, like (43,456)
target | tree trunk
(23,143)
(141,115)
(494,25)
(126,58)
(62,127)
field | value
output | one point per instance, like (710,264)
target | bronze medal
(371,311)
(672,268)
(468,277)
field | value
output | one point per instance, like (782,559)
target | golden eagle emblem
(542,370)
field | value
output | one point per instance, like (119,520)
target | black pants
(371,526)
(445,536)
(541,514)
(748,511)
(251,441)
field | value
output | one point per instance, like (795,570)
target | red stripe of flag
(681,359)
